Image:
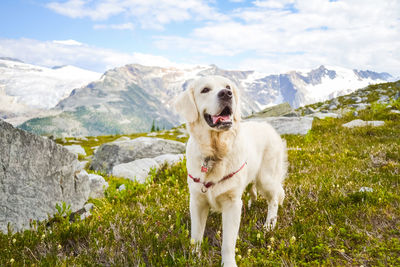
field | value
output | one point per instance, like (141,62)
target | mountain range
(27,90)
(133,97)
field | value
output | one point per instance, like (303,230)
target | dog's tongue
(217,118)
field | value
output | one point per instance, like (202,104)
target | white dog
(224,156)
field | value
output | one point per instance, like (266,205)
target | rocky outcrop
(35,175)
(111,154)
(283,109)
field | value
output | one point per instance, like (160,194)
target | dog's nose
(225,94)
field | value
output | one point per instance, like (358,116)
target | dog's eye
(228,87)
(205,90)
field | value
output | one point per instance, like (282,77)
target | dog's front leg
(198,216)
(231,213)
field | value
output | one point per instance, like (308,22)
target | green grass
(325,219)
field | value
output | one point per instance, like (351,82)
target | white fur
(256,143)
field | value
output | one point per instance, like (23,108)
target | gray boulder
(289,125)
(111,154)
(356,99)
(76,149)
(361,123)
(137,170)
(170,159)
(323,115)
(332,107)
(35,175)
(309,110)
(97,186)
(384,99)
(359,106)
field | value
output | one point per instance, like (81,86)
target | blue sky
(264,35)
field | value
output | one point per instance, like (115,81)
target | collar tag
(204,168)
(207,164)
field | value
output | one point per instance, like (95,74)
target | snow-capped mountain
(129,98)
(300,88)
(26,90)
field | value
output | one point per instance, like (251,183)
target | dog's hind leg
(275,196)
(269,184)
(273,203)
(253,195)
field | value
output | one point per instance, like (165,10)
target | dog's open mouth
(222,120)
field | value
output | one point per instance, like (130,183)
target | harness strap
(209,184)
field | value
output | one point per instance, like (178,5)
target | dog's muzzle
(223,119)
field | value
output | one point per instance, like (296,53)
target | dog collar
(209,184)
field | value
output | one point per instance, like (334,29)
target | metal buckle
(204,189)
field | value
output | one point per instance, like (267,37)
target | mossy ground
(325,219)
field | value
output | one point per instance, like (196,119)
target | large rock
(321,115)
(97,186)
(137,170)
(361,123)
(274,111)
(289,125)
(110,154)
(35,175)
(76,149)
(170,159)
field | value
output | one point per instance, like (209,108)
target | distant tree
(153,127)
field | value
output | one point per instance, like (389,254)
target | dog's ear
(237,115)
(184,104)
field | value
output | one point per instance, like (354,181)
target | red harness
(209,184)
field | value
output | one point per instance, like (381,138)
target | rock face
(35,175)
(115,153)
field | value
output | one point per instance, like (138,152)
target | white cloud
(124,26)
(67,42)
(150,14)
(55,53)
(304,33)
(82,8)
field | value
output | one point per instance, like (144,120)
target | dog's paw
(229,263)
(196,247)
(270,223)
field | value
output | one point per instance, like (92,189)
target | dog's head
(210,100)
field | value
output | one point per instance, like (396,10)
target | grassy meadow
(325,219)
